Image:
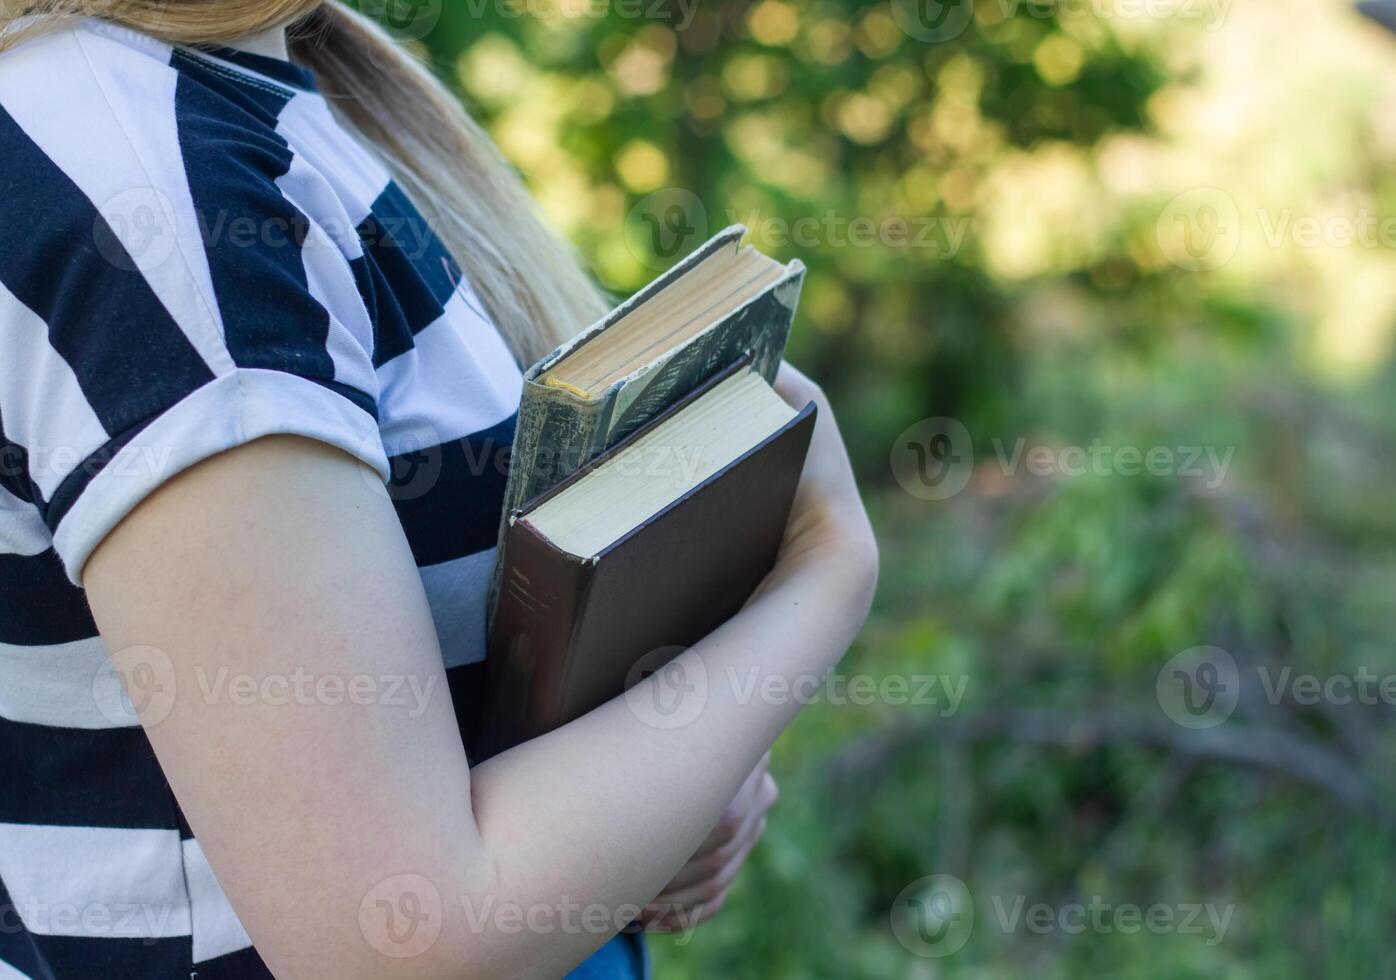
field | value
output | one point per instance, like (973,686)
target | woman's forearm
(603,811)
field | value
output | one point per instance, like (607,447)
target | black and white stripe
(196,255)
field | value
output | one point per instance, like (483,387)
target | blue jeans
(623,958)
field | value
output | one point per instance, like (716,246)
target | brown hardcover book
(650,547)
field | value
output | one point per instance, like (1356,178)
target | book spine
(557,432)
(540,595)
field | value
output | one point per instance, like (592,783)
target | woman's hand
(828,533)
(828,521)
(699,891)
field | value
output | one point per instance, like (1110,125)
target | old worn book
(643,552)
(721,302)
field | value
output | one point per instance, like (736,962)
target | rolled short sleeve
(169,318)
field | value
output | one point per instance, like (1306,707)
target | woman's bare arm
(325,815)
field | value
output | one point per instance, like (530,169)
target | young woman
(225,323)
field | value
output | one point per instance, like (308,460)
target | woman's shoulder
(120,158)
(113,114)
(87,76)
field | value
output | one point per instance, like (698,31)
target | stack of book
(651,481)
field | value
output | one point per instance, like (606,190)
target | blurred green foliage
(1025,276)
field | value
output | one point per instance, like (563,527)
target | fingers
(828,461)
(700,888)
(708,874)
(735,815)
(733,839)
(828,510)
(681,920)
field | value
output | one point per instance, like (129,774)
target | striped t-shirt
(195,255)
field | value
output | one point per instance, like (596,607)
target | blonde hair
(529,280)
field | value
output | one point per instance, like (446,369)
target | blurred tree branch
(1263,747)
